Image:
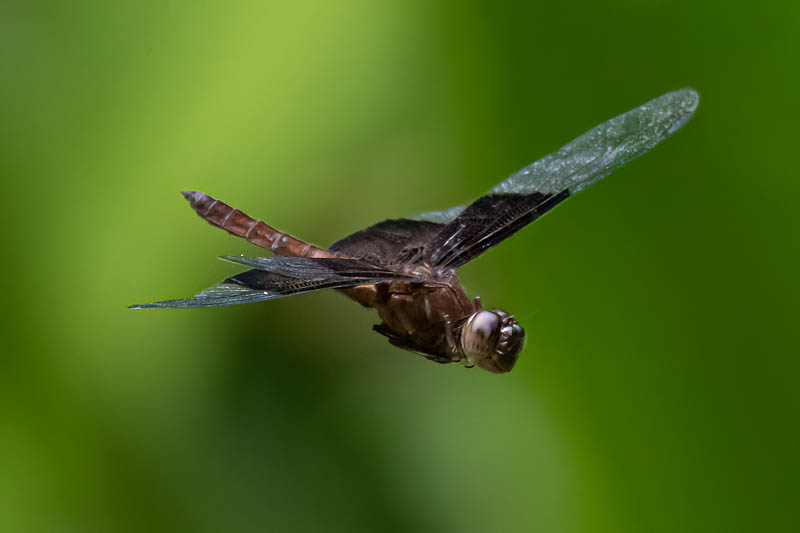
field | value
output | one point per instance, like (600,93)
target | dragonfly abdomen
(236,222)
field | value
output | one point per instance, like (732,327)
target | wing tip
(685,102)
(688,95)
(691,94)
(691,99)
(154,305)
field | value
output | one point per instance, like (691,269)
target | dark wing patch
(292,275)
(485,223)
(390,242)
(276,277)
(317,267)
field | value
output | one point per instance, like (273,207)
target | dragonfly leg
(452,341)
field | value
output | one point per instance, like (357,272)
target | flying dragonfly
(406,268)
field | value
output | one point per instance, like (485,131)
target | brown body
(421,317)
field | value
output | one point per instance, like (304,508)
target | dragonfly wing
(443,217)
(604,148)
(276,277)
(537,188)
(391,242)
(216,296)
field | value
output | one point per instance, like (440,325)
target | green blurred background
(657,390)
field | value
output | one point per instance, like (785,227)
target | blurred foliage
(657,391)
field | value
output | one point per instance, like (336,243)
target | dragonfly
(405,268)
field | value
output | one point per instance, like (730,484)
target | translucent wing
(275,277)
(216,296)
(442,217)
(596,153)
(537,188)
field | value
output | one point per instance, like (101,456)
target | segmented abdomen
(236,222)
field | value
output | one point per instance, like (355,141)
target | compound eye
(492,340)
(484,324)
(479,335)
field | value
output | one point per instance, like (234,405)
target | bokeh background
(658,387)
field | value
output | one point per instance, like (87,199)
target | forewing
(537,188)
(276,277)
(485,223)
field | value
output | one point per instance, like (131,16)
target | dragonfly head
(492,340)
